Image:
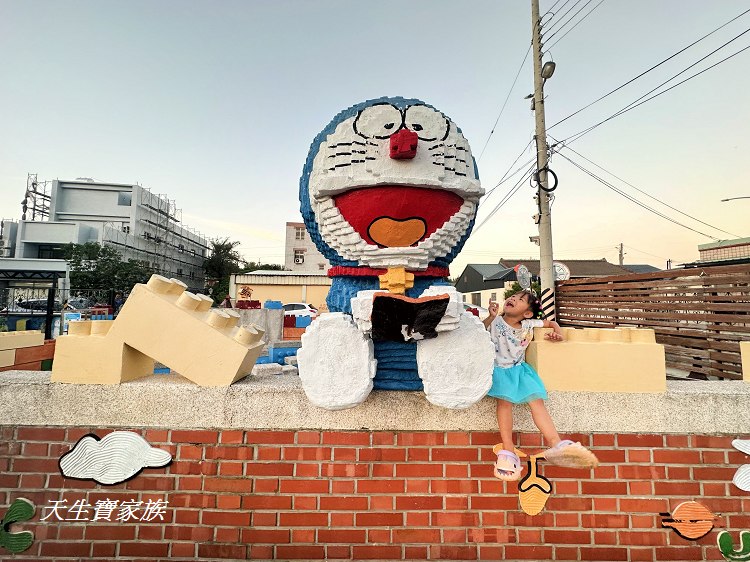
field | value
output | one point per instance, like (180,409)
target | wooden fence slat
(700,314)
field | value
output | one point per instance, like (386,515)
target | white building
(138,223)
(300,252)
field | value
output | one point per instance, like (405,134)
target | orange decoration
(691,520)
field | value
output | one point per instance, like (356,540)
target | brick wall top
(278,402)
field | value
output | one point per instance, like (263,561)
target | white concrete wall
(313,259)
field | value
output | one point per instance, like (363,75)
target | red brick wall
(304,494)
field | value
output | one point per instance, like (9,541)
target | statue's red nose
(404,144)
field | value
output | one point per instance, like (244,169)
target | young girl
(515,382)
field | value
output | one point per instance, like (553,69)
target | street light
(733,198)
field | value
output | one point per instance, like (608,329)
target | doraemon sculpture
(389,194)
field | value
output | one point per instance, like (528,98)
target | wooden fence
(699,314)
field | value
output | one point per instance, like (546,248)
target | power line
(553,7)
(562,16)
(649,195)
(570,20)
(508,196)
(647,253)
(502,181)
(505,102)
(633,199)
(576,25)
(632,105)
(647,71)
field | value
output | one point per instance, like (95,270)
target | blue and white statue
(389,194)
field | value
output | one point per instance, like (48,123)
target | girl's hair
(535,305)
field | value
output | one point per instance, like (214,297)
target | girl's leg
(505,423)
(544,422)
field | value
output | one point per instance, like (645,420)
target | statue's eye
(429,124)
(378,121)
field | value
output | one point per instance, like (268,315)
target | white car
(299,309)
(483,312)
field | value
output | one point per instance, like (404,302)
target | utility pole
(622,254)
(546,271)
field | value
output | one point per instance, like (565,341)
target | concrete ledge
(278,402)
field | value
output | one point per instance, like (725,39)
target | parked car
(481,311)
(31,305)
(299,309)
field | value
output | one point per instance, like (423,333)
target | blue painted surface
(272,305)
(162,371)
(397,366)
(302,321)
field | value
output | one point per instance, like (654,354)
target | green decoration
(726,546)
(19,511)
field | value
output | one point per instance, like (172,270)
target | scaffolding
(36,200)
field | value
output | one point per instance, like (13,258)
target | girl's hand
(554,336)
(493,309)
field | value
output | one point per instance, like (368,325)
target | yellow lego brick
(24,338)
(745,352)
(600,360)
(87,355)
(179,329)
(7,357)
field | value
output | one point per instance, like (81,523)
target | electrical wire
(648,70)
(633,104)
(633,199)
(526,56)
(647,253)
(649,195)
(562,16)
(507,197)
(570,20)
(521,167)
(553,7)
(576,25)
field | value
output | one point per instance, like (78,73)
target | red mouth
(397,215)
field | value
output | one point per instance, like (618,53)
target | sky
(215,103)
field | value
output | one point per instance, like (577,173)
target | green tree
(223,261)
(249,266)
(94,266)
(536,287)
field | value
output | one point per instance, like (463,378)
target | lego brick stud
(79,328)
(188,301)
(100,327)
(234,318)
(177,287)
(205,304)
(159,284)
(248,335)
(642,335)
(218,319)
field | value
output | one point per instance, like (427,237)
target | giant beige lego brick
(7,357)
(22,338)
(88,355)
(745,353)
(178,328)
(600,360)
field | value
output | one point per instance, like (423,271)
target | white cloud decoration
(742,476)
(116,457)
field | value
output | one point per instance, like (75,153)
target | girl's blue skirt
(518,384)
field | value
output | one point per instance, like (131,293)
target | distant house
(640,268)
(481,283)
(725,252)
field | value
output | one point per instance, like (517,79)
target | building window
(192,274)
(493,296)
(476,299)
(299,232)
(124,198)
(179,271)
(126,228)
(48,252)
(299,257)
(182,248)
(321,266)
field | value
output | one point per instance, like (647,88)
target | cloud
(117,457)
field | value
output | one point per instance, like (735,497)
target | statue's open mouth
(397,215)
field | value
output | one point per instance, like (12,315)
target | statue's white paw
(336,362)
(456,367)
